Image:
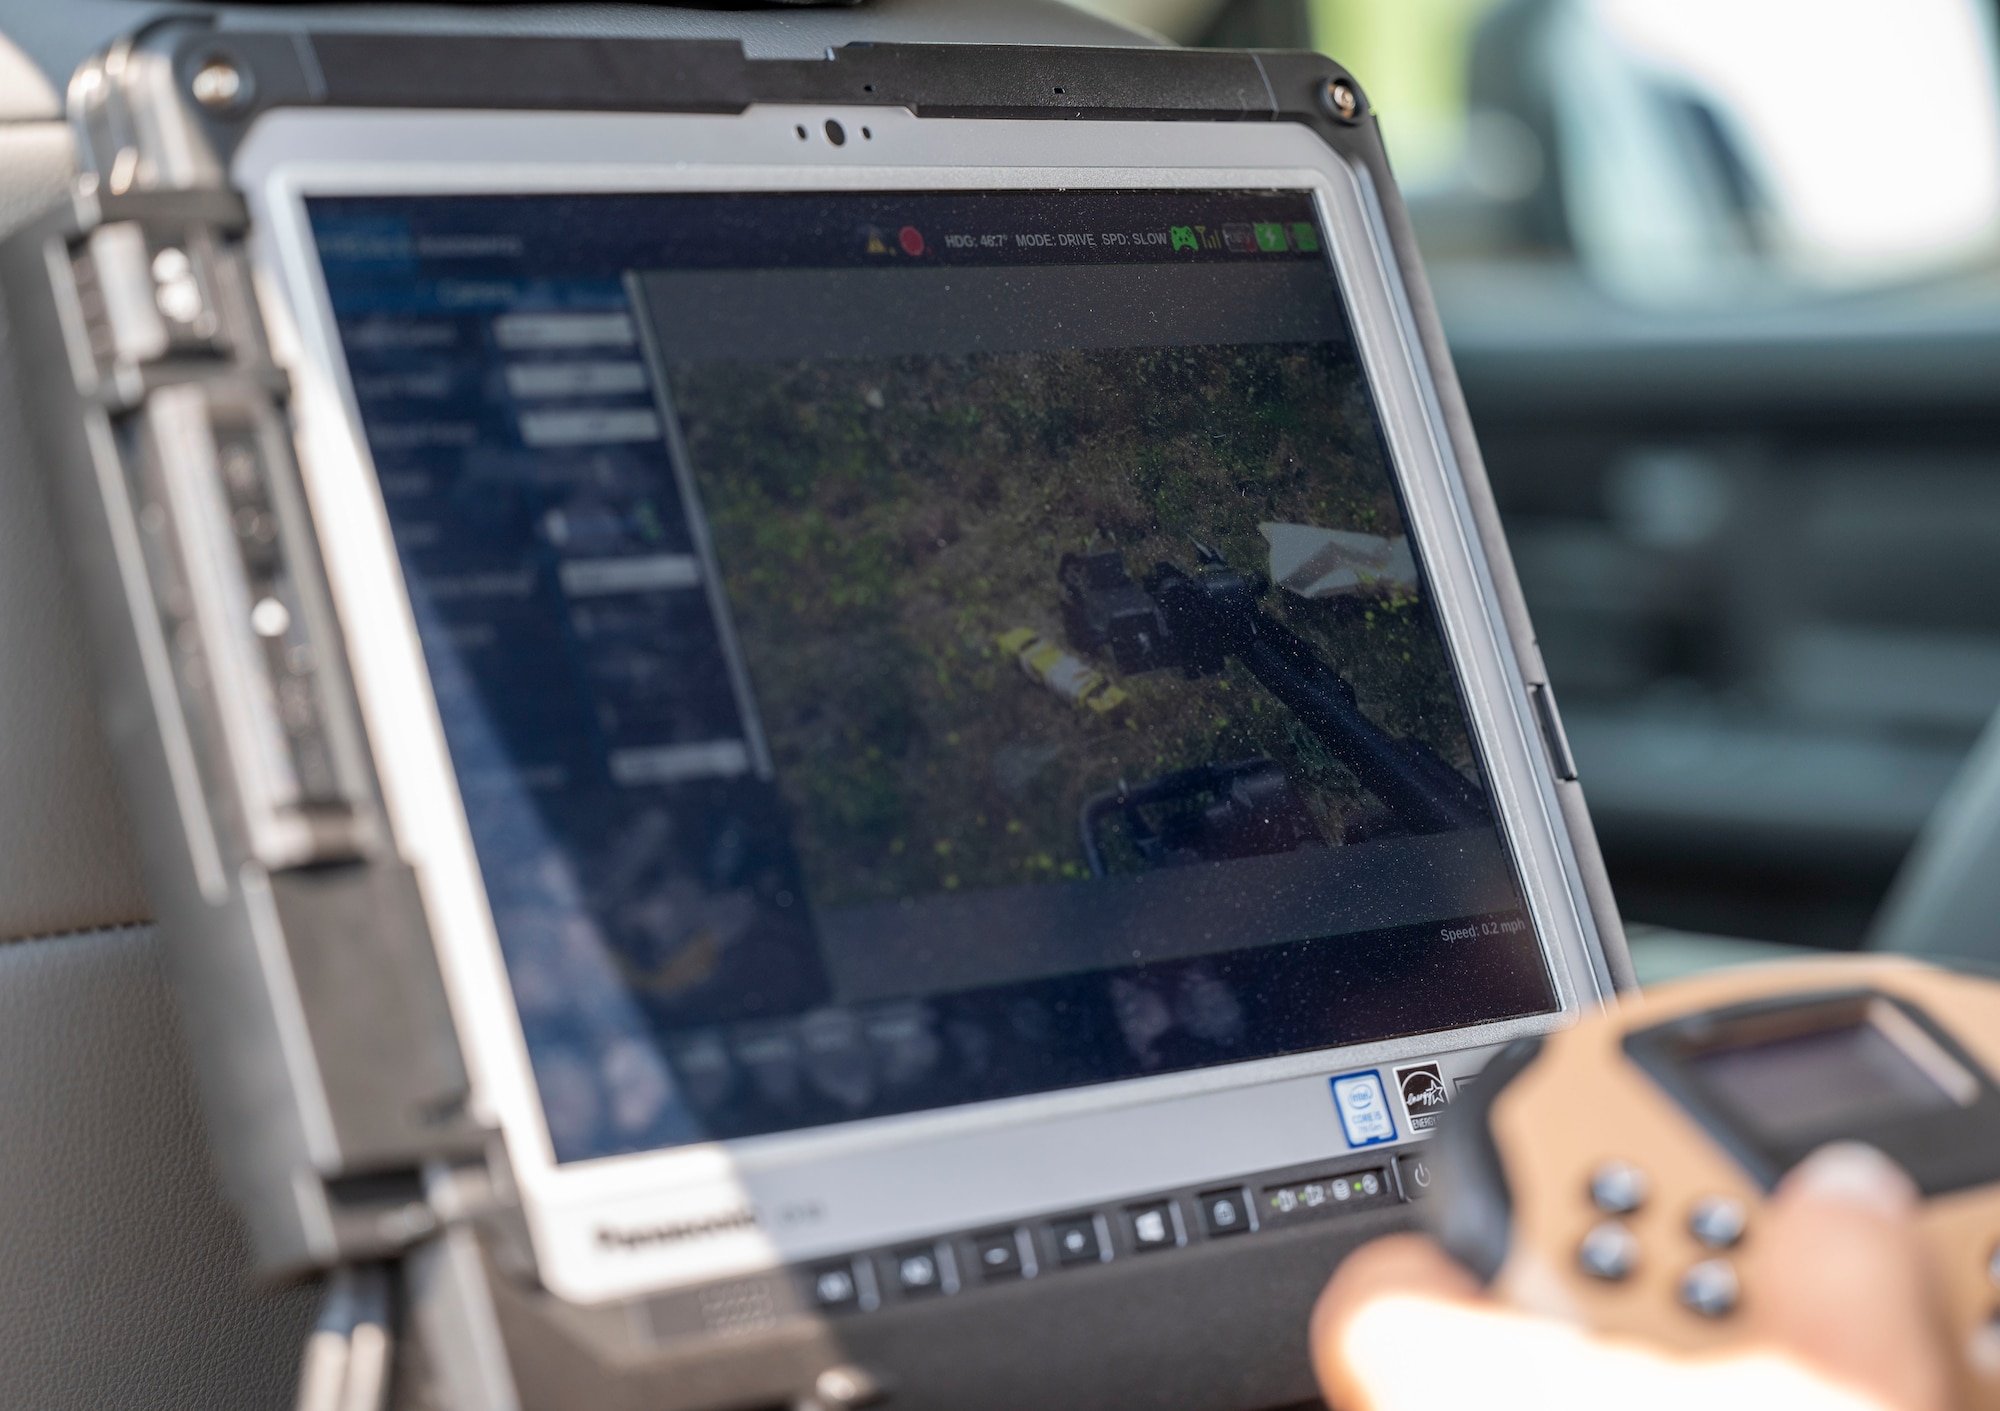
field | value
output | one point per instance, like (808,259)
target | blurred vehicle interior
(1730,338)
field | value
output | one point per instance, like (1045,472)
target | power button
(1414,1176)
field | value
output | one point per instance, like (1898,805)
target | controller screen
(1800,1088)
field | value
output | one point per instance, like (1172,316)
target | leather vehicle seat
(121,1268)
(123,1274)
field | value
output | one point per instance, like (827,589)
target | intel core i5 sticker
(1424,1097)
(1364,1109)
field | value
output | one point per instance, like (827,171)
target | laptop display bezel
(730,1207)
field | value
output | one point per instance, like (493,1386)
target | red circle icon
(911,239)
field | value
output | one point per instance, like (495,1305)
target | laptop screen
(905,650)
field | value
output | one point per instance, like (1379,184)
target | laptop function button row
(950,1264)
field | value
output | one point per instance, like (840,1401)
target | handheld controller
(1623,1164)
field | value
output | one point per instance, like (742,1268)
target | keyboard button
(834,1287)
(1153,1226)
(1225,1212)
(1076,1241)
(998,1255)
(917,1271)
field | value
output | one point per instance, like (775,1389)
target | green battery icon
(1305,236)
(1270,236)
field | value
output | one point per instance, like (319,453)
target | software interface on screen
(899,650)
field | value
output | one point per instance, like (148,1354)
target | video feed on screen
(904,650)
(1016,618)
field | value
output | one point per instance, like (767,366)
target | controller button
(1710,1288)
(1717,1221)
(1618,1188)
(1610,1252)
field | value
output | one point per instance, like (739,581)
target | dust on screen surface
(882,523)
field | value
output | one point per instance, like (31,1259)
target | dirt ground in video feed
(880,522)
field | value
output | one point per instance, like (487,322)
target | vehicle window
(1719,279)
(1718,316)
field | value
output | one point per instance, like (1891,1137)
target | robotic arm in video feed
(1196,621)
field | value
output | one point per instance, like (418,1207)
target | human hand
(1840,1319)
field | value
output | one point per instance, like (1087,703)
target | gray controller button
(1610,1252)
(1710,1288)
(1717,1221)
(1618,1188)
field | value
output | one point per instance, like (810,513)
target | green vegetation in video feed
(884,525)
